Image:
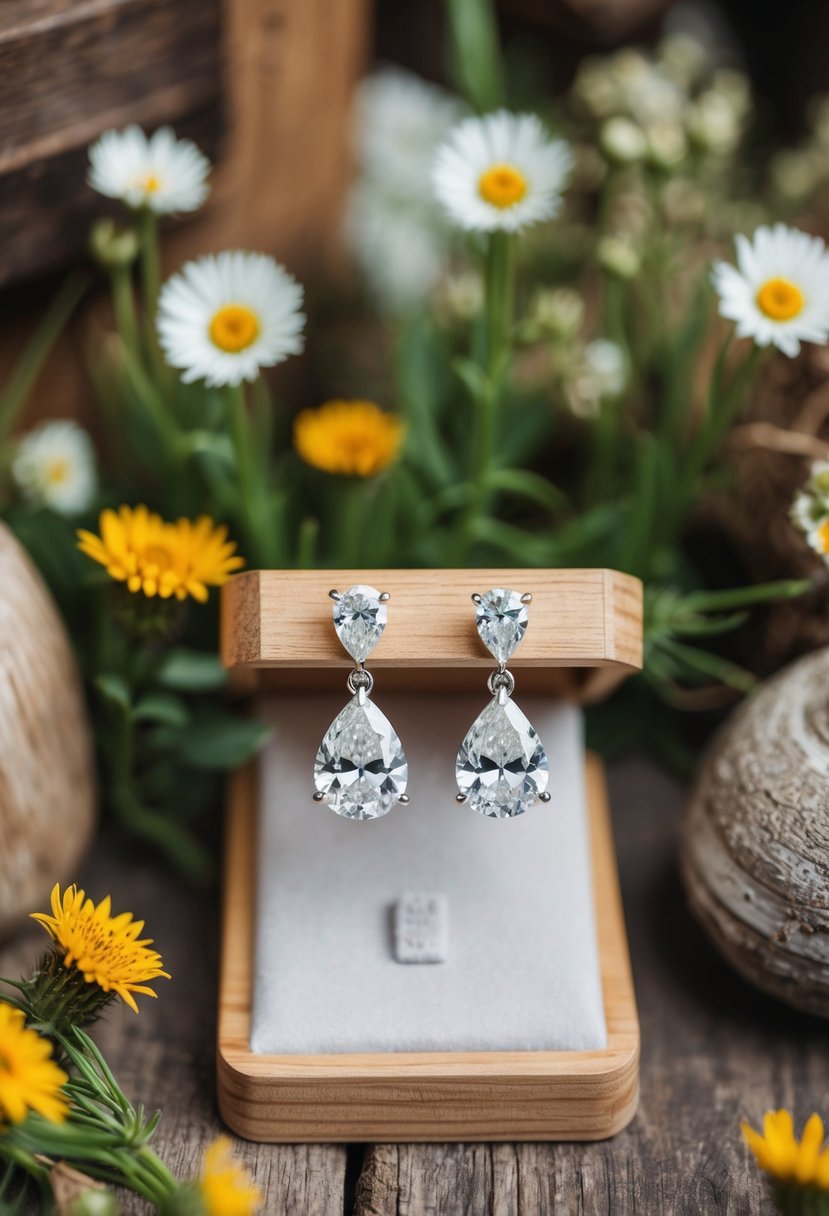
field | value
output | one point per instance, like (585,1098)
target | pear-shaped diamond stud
(361,769)
(501,621)
(359,618)
(502,768)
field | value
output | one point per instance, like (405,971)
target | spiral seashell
(47,794)
(754,852)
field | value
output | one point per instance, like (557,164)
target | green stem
(498,304)
(14,394)
(150,261)
(351,514)
(726,399)
(307,543)
(239,424)
(124,307)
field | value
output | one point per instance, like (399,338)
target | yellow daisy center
(503,186)
(823,536)
(57,472)
(152,184)
(780,299)
(234,327)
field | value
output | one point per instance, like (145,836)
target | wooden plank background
(713,1050)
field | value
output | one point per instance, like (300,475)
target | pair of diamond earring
(361,769)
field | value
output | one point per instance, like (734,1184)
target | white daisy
(55,467)
(401,251)
(500,172)
(810,508)
(778,293)
(162,173)
(818,537)
(393,227)
(398,122)
(223,317)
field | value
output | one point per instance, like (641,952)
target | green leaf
(28,366)
(163,707)
(704,663)
(115,690)
(186,670)
(528,485)
(475,53)
(742,597)
(218,742)
(473,377)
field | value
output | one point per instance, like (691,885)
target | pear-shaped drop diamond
(502,622)
(502,767)
(359,619)
(361,767)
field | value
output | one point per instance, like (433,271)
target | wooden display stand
(584,623)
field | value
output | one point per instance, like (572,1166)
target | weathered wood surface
(70,70)
(714,1050)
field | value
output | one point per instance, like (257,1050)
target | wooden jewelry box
(585,634)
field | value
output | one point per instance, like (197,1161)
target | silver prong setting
(545,797)
(404,799)
(335,595)
(318,796)
(384,597)
(476,598)
(527,597)
(461,797)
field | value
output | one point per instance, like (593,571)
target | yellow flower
(352,438)
(225,1187)
(29,1077)
(104,949)
(138,548)
(787,1159)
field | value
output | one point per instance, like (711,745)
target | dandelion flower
(159,172)
(29,1077)
(778,293)
(183,559)
(501,172)
(786,1159)
(224,317)
(55,467)
(225,1187)
(106,950)
(351,438)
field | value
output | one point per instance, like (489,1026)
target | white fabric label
(421,927)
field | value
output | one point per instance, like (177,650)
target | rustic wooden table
(713,1050)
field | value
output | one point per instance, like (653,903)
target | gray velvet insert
(522,972)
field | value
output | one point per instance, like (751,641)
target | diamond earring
(361,770)
(502,768)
